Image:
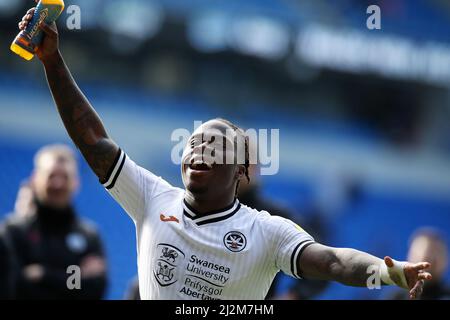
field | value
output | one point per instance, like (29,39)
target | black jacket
(431,291)
(55,239)
(6,269)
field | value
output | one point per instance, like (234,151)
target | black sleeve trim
(110,171)
(305,244)
(117,173)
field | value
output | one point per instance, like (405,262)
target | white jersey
(233,253)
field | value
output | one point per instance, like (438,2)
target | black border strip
(117,173)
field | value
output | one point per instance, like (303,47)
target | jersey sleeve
(133,186)
(291,241)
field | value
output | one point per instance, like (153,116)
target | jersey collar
(212,216)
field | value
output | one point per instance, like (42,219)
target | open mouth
(200,166)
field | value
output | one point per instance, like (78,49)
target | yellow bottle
(27,41)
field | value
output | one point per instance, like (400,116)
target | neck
(208,204)
(56,217)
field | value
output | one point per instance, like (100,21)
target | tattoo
(347,266)
(80,119)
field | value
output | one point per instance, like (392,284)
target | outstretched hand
(414,274)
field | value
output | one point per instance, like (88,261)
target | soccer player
(201,242)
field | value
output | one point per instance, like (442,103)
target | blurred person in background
(428,244)
(52,237)
(6,268)
(25,204)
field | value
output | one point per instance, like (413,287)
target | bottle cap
(21,51)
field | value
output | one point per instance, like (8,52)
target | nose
(202,152)
(198,149)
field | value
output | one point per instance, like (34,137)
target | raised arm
(79,117)
(351,267)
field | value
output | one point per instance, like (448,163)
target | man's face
(209,163)
(424,248)
(55,181)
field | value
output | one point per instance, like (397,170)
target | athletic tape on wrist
(397,272)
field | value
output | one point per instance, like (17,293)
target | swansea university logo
(165,267)
(234,241)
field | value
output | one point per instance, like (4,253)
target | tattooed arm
(350,267)
(80,119)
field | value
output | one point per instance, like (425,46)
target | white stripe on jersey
(116,170)
(233,253)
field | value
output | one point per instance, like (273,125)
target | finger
(25,22)
(29,14)
(425,276)
(23,25)
(421,265)
(413,292)
(49,31)
(389,262)
(416,291)
(27,17)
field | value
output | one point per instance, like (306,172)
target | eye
(194,142)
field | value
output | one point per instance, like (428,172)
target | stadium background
(363,115)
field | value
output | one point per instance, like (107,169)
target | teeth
(199,165)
